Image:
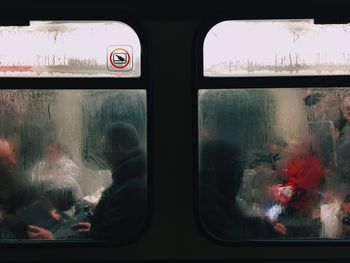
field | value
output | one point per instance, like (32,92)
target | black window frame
(23,16)
(255,82)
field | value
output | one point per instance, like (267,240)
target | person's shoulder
(135,188)
(136,184)
(138,158)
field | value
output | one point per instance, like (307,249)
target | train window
(73,143)
(272,150)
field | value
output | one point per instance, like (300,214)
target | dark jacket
(121,212)
(221,171)
(223,220)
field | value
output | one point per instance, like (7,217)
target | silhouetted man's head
(120,140)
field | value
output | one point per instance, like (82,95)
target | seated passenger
(15,193)
(10,185)
(298,195)
(61,175)
(57,168)
(221,172)
(259,175)
(122,210)
(65,210)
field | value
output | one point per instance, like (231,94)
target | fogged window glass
(273,163)
(72,164)
(276,48)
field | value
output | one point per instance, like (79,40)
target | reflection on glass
(60,151)
(273,163)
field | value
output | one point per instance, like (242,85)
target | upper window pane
(70,49)
(276,48)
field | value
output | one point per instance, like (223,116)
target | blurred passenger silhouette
(221,171)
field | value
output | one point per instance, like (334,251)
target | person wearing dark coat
(221,171)
(121,212)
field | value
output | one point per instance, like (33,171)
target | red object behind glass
(303,174)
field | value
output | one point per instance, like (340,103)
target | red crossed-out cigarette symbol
(121,58)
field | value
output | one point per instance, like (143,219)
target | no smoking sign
(119,58)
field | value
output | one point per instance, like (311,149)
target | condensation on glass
(274,163)
(276,48)
(51,156)
(70,49)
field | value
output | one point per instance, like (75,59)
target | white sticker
(119,58)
